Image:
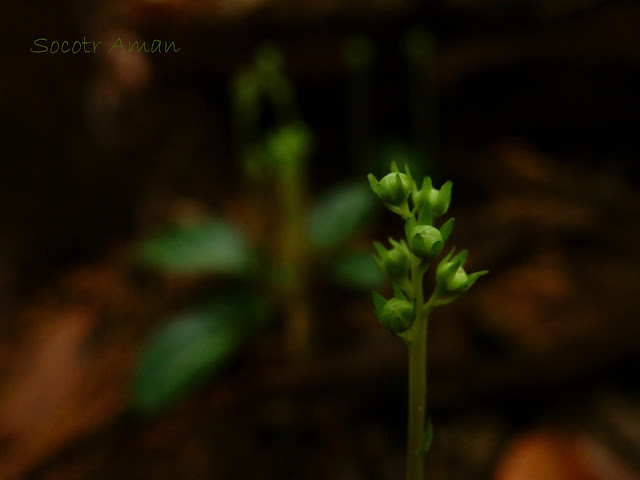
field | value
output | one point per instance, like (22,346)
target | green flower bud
(396,262)
(425,241)
(451,277)
(458,283)
(437,200)
(394,188)
(397,315)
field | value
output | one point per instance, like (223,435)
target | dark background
(533,375)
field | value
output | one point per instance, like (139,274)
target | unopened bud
(393,189)
(396,262)
(437,200)
(397,315)
(425,241)
(451,277)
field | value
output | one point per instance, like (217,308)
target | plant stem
(417,379)
(294,259)
(417,399)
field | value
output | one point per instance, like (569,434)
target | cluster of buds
(420,208)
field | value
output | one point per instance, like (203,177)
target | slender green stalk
(417,377)
(417,400)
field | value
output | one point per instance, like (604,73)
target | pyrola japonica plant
(406,263)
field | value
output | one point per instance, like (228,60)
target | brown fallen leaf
(58,389)
(547,455)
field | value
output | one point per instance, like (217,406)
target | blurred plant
(267,272)
(406,262)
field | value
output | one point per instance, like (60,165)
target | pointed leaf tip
(408,171)
(425,217)
(373,182)
(378,300)
(447,228)
(380,249)
(447,257)
(398,292)
(461,257)
(472,278)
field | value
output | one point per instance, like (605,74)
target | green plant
(265,272)
(407,313)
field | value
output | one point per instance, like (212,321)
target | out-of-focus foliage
(338,213)
(192,346)
(359,270)
(213,246)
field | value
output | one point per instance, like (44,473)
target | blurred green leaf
(338,213)
(191,347)
(210,247)
(181,353)
(360,271)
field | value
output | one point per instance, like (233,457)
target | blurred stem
(417,379)
(294,252)
(276,166)
(245,124)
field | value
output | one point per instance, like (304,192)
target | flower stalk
(406,263)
